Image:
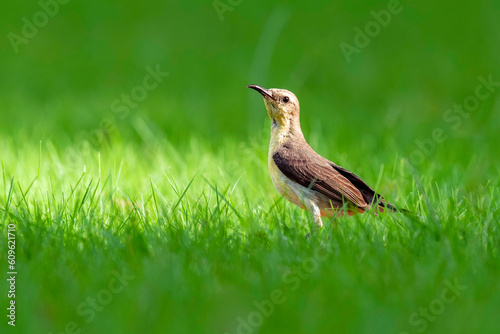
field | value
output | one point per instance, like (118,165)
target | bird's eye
(286,99)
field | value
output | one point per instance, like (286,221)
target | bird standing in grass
(303,176)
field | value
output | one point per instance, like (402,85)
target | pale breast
(283,185)
(288,189)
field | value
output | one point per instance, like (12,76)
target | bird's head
(282,105)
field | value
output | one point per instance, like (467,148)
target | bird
(303,176)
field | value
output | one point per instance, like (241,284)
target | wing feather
(312,171)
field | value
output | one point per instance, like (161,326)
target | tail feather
(393,208)
(369,195)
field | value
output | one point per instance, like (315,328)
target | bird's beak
(264,92)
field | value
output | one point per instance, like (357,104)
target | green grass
(204,235)
(168,216)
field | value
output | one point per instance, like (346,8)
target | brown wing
(310,170)
(369,195)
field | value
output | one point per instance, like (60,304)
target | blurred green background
(424,61)
(60,86)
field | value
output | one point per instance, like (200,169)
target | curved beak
(264,92)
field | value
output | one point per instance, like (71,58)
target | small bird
(303,176)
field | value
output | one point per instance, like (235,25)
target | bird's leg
(314,210)
(317,219)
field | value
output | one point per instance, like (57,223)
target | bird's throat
(281,134)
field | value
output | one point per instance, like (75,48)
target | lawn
(134,169)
